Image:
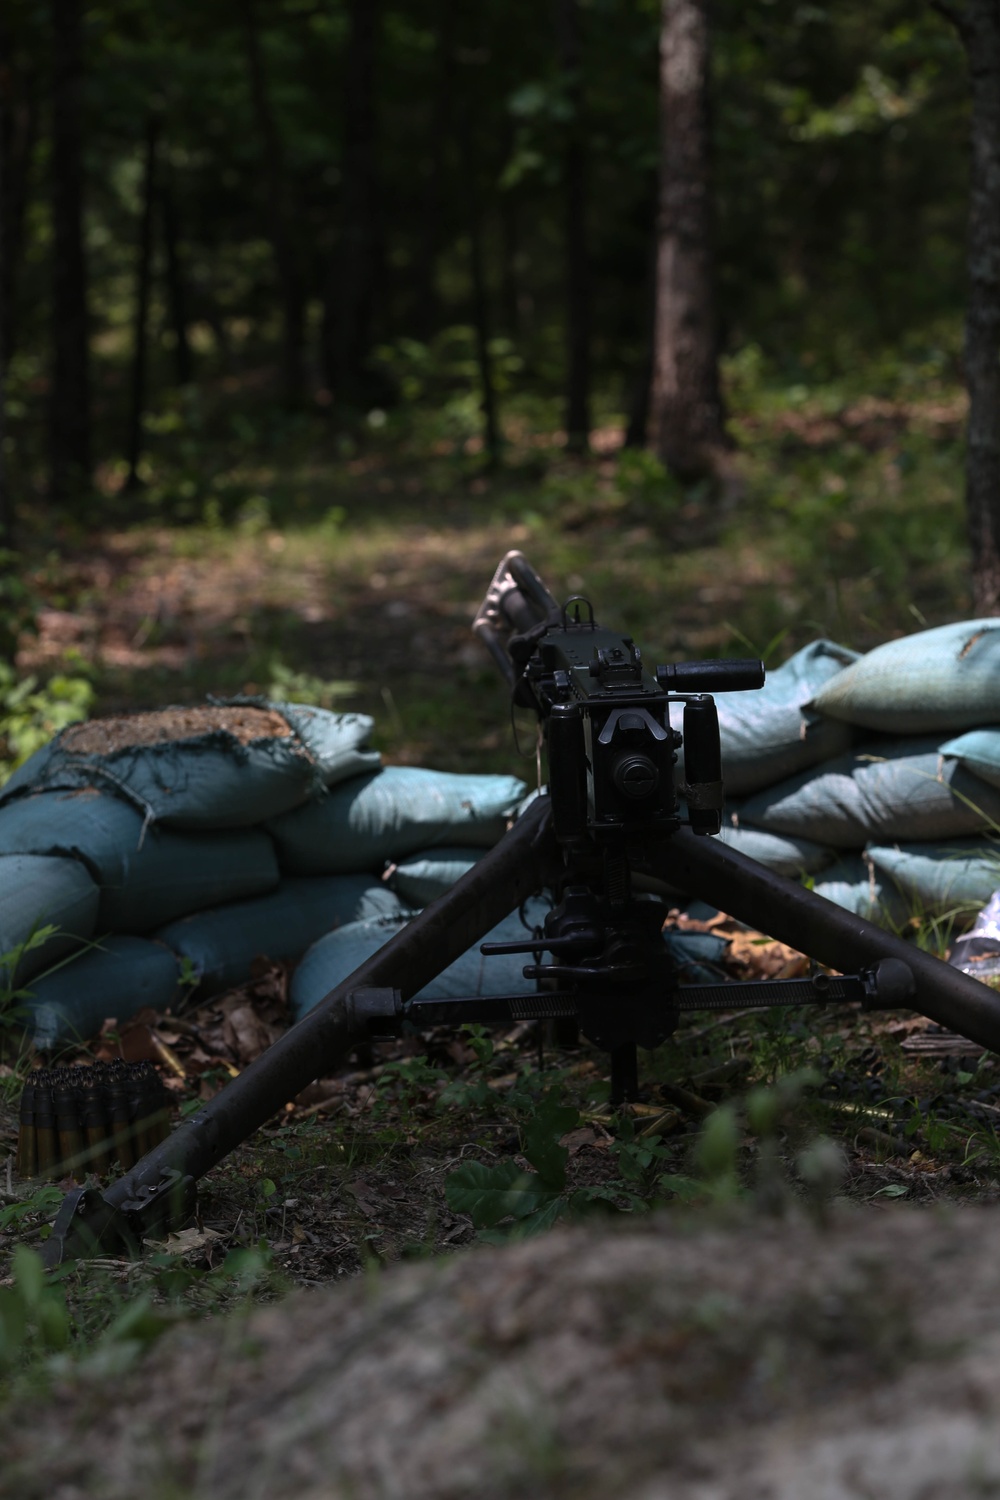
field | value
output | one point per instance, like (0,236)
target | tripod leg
(706,868)
(524,861)
(624,1074)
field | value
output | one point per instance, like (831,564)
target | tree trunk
(5,527)
(436,179)
(279,217)
(140,326)
(19,116)
(176,301)
(469,159)
(70,472)
(576,260)
(349,302)
(978,24)
(686,414)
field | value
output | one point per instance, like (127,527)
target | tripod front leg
(160,1188)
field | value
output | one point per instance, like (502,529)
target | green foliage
(32,712)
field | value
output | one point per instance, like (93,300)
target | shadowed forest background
(309,311)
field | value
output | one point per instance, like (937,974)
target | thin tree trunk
(70,472)
(686,413)
(19,115)
(176,300)
(576,259)
(469,157)
(436,180)
(279,217)
(349,302)
(978,24)
(141,323)
(6,529)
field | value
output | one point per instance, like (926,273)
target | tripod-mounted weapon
(607,842)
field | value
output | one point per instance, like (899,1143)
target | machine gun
(607,841)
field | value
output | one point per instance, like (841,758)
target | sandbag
(941,879)
(37,891)
(766,734)
(945,678)
(979,752)
(116,978)
(337,955)
(778,852)
(363,823)
(422,877)
(221,944)
(856,885)
(147,876)
(225,765)
(176,873)
(899,789)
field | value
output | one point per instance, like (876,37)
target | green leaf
(489,1194)
(29,1276)
(552,1120)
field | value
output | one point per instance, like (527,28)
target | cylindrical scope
(724,675)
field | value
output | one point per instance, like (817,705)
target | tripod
(607,837)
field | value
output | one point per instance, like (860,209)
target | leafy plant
(30,713)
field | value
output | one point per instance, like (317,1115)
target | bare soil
(700,1360)
(167,725)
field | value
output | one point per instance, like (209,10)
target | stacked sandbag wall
(900,819)
(146,855)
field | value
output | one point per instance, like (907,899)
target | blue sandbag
(422,877)
(767,734)
(979,751)
(778,852)
(222,944)
(116,978)
(363,823)
(900,789)
(147,876)
(945,678)
(942,879)
(37,891)
(857,886)
(224,765)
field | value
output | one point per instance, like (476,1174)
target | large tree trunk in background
(141,323)
(577,271)
(978,23)
(686,414)
(349,302)
(70,472)
(279,217)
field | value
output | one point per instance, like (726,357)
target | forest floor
(353,584)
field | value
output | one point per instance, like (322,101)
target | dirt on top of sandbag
(164,726)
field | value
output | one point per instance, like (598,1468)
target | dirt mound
(168,725)
(769,1359)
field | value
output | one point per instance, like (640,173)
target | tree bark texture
(686,413)
(349,303)
(279,216)
(141,322)
(978,24)
(70,470)
(576,258)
